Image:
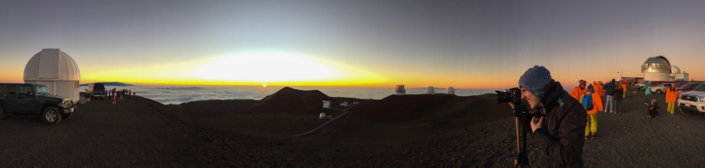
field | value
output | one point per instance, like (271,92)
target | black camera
(512,95)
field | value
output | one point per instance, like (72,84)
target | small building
(430,90)
(55,69)
(677,75)
(399,90)
(450,90)
(326,104)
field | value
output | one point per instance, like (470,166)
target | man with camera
(558,134)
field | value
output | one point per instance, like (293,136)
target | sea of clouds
(183,94)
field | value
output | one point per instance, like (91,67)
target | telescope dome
(657,64)
(56,70)
(675,69)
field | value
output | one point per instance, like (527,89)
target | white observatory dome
(52,64)
(675,69)
(55,69)
(450,90)
(430,90)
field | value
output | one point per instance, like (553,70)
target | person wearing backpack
(592,104)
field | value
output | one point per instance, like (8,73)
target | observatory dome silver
(657,64)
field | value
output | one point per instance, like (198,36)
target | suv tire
(51,115)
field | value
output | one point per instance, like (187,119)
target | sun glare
(265,67)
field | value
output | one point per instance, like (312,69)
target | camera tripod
(521,118)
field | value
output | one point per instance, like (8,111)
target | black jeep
(31,99)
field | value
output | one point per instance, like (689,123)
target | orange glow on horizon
(335,74)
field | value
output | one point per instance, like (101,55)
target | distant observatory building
(55,69)
(677,75)
(430,90)
(450,90)
(400,90)
(660,69)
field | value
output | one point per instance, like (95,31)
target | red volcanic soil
(397,131)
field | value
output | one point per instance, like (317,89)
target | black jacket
(618,94)
(610,88)
(561,136)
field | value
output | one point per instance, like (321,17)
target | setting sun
(265,67)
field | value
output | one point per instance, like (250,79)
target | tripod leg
(517,124)
(521,159)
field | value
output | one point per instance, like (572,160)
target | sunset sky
(372,43)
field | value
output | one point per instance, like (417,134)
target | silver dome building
(658,68)
(656,64)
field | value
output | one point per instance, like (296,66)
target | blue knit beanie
(536,80)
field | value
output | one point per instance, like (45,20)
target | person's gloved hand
(535,123)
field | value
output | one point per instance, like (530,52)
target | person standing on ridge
(647,93)
(671,96)
(559,138)
(592,104)
(610,89)
(624,89)
(113,93)
(578,90)
(617,99)
(600,90)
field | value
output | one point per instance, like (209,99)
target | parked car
(658,84)
(641,85)
(679,84)
(32,99)
(96,91)
(686,87)
(661,88)
(692,101)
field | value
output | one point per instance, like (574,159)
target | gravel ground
(456,132)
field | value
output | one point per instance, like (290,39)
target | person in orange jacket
(671,97)
(600,89)
(595,87)
(591,123)
(624,89)
(578,90)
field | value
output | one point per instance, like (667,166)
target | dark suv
(31,99)
(97,91)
